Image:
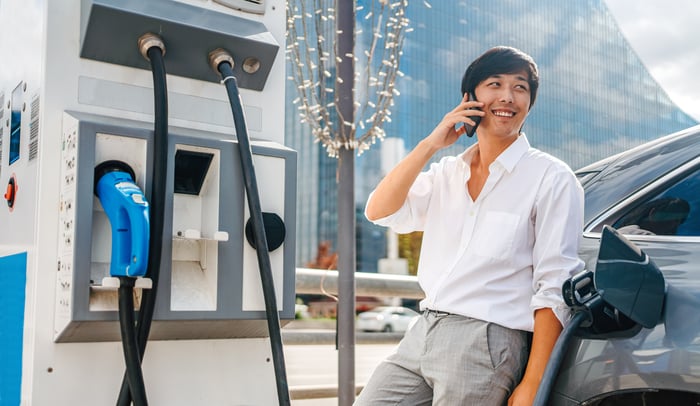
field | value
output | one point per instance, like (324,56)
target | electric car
(651,195)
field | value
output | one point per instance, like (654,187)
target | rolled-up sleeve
(411,216)
(558,228)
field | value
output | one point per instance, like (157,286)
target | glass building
(596,98)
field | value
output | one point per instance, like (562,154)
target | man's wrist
(427,148)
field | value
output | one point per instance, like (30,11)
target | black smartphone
(469,130)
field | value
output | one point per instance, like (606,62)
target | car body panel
(665,357)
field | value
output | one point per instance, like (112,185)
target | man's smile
(503,113)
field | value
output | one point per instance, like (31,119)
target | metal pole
(346,280)
(345,18)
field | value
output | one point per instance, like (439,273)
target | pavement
(312,357)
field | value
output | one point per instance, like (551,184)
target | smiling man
(501,224)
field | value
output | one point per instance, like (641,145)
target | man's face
(506,99)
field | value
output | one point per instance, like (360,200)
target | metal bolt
(251,65)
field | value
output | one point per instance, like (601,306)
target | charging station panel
(209,284)
(195,30)
(85,95)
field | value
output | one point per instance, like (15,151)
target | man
(501,224)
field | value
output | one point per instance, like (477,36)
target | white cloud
(21,61)
(665,36)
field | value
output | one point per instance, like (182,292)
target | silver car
(651,195)
(386,319)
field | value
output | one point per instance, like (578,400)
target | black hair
(501,60)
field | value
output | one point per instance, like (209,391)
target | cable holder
(219,56)
(113,283)
(148,41)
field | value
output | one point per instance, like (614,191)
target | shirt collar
(508,158)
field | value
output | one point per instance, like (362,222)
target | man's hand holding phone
(466,114)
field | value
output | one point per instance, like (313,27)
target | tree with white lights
(344,94)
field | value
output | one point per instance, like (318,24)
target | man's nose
(506,95)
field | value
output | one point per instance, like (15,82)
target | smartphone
(477,119)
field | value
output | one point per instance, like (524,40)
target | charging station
(81,94)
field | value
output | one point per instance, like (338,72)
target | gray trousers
(450,360)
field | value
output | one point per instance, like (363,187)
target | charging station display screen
(15,123)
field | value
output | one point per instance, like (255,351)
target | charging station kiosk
(80,94)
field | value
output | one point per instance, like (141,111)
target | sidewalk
(310,324)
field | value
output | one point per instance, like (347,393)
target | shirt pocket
(495,236)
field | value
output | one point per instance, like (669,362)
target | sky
(666,37)
(664,33)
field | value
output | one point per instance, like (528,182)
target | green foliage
(409,248)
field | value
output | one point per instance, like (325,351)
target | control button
(11,192)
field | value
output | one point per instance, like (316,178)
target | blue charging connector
(128,213)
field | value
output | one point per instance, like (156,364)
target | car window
(673,211)
(633,171)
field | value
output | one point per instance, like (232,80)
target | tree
(346,109)
(325,257)
(316,65)
(409,248)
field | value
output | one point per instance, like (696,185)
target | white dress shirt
(503,256)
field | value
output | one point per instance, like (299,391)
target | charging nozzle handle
(128,213)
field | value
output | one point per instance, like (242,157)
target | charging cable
(152,48)
(222,62)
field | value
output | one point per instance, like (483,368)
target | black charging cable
(153,49)
(223,63)
(556,358)
(134,374)
(580,294)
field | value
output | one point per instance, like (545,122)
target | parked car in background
(386,319)
(650,194)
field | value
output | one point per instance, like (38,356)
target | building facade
(596,98)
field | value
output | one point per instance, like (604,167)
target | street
(314,365)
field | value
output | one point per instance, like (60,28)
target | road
(314,365)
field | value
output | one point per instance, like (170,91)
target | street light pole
(345,18)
